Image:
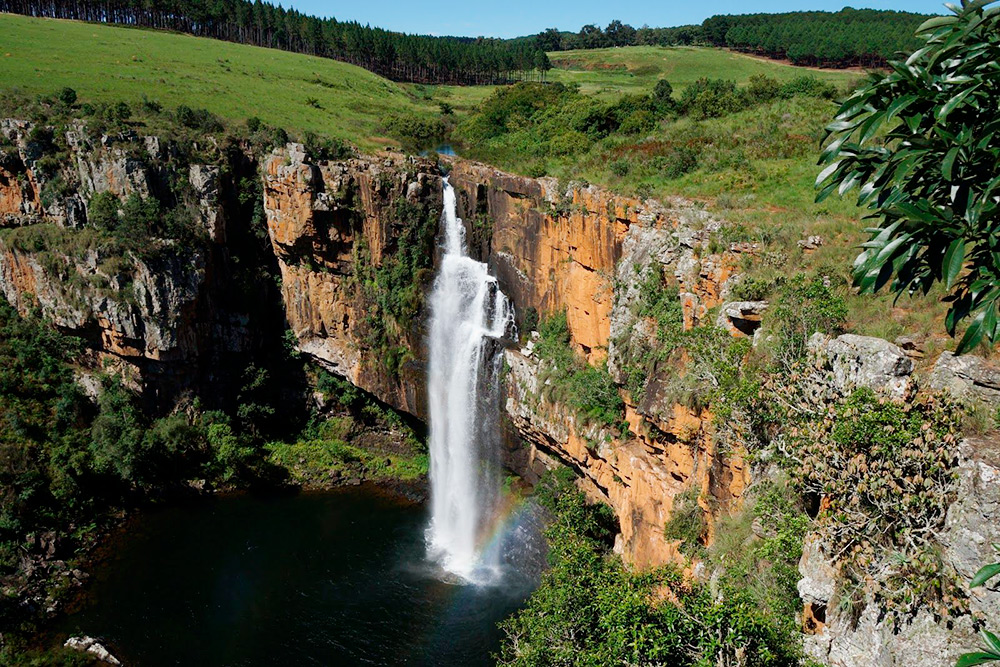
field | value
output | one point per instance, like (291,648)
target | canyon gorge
(170,324)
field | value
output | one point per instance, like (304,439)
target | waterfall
(468,313)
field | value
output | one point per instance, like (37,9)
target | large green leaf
(948,164)
(954,259)
(978,658)
(985,573)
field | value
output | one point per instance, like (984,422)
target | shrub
(589,390)
(687,522)
(591,610)
(663,96)
(414,131)
(711,98)
(620,167)
(886,472)
(804,307)
(326,148)
(67,96)
(808,86)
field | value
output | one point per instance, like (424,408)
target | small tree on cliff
(923,145)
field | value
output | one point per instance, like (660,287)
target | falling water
(468,314)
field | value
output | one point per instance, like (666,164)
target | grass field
(609,73)
(108,64)
(635,69)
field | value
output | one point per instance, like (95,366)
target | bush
(414,131)
(67,96)
(326,148)
(886,472)
(712,98)
(687,522)
(663,96)
(804,307)
(808,86)
(591,610)
(589,390)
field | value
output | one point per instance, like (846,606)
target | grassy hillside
(108,64)
(635,69)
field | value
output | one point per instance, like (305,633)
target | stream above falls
(339,578)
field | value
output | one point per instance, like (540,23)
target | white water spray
(468,313)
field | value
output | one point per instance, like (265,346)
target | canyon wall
(163,316)
(328,223)
(578,250)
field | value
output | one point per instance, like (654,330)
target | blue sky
(511,18)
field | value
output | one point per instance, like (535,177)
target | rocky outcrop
(93,647)
(839,636)
(329,222)
(966,545)
(161,315)
(741,318)
(863,361)
(967,377)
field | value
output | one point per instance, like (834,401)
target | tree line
(394,55)
(848,38)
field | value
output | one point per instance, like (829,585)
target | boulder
(863,361)
(741,318)
(92,646)
(967,377)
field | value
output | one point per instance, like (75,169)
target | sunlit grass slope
(108,64)
(635,69)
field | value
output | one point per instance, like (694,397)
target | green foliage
(591,610)
(42,439)
(804,306)
(530,322)
(757,551)
(395,289)
(334,447)
(921,144)
(589,390)
(416,132)
(849,37)
(687,522)
(886,470)
(67,96)
(992,652)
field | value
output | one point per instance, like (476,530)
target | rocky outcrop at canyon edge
(326,222)
(163,317)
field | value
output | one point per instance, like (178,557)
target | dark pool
(312,579)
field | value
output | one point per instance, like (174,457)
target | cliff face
(584,250)
(329,224)
(162,315)
(573,250)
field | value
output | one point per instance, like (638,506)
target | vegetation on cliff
(591,610)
